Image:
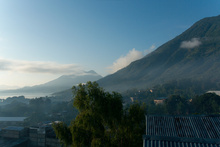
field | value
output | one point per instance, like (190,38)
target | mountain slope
(194,54)
(62,83)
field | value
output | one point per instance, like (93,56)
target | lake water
(26,95)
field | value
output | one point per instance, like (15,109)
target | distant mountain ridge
(6,87)
(195,54)
(62,83)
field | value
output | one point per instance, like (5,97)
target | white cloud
(194,42)
(124,61)
(38,67)
(152,48)
(131,56)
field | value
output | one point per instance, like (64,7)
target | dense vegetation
(186,88)
(182,97)
(208,103)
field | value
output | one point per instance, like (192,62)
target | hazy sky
(43,39)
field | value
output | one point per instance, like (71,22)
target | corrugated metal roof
(183,126)
(155,141)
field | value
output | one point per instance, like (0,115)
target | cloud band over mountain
(194,42)
(38,67)
(131,56)
(124,61)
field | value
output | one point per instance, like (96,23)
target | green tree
(131,128)
(63,133)
(98,112)
(208,103)
(176,104)
(101,120)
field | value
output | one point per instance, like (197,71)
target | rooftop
(182,131)
(160,98)
(156,141)
(195,126)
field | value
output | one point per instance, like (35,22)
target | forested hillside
(195,54)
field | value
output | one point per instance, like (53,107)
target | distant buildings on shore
(13,133)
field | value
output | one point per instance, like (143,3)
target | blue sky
(41,40)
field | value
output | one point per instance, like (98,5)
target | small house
(159,100)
